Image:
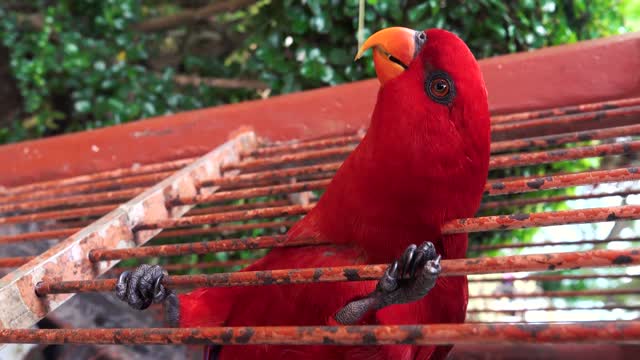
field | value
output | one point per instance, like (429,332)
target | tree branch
(187,17)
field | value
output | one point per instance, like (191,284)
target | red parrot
(423,161)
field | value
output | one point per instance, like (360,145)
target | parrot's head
(431,80)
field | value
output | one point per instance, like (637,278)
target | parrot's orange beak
(393,51)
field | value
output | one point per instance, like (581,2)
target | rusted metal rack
(202,205)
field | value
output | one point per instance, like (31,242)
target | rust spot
(246,336)
(369,338)
(612,217)
(351,274)
(535,184)
(497,186)
(519,217)
(623,259)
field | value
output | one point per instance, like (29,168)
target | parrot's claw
(143,287)
(406,280)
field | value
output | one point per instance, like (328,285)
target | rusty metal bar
(445,334)
(84,199)
(528,184)
(58,214)
(10,262)
(306,145)
(570,119)
(520,221)
(567,110)
(238,207)
(261,242)
(593,258)
(68,259)
(277,174)
(555,277)
(225,229)
(253,164)
(552,308)
(542,157)
(92,187)
(561,139)
(559,293)
(551,199)
(104,175)
(251,192)
(548,243)
(225,217)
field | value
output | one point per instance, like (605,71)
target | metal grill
(199,206)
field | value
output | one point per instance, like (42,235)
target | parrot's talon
(143,287)
(406,280)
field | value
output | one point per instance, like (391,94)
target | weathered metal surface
(238,207)
(552,308)
(566,119)
(278,174)
(552,199)
(566,110)
(225,217)
(558,293)
(561,139)
(520,221)
(84,199)
(542,157)
(548,243)
(249,165)
(205,247)
(535,183)
(554,277)
(221,229)
(583,332)
(106,175)
(88,187)
(307,145)
(251,192)
(68,259)
(57,214)
(573,260)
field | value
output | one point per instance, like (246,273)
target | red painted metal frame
(552,77)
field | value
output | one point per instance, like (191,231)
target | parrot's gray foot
(143,286)
(406,280)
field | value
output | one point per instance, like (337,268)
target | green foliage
(86,65)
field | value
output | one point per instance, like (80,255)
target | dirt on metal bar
(444,334)
(516,263)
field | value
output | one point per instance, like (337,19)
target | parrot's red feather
(420,164)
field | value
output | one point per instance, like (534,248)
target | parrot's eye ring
(440,87)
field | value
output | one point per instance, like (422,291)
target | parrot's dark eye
(440,88)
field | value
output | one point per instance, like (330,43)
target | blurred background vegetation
(72,65)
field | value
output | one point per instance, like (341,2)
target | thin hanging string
(361,24)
